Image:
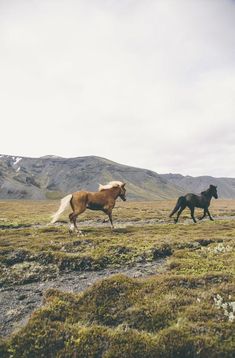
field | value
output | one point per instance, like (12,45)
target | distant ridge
(51,157)
(51,177)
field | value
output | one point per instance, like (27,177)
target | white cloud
(149,84)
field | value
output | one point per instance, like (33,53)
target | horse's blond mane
(111,184)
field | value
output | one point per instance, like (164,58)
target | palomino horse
(199,201)
(103,200)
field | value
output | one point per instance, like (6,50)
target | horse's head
(117,186)
(122,193)
(213,190)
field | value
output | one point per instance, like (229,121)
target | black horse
(199,201)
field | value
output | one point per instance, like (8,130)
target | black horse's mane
(208,190)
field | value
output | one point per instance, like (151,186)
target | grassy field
(186,310)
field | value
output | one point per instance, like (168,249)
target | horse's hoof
(80,233)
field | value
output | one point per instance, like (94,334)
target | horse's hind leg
(179,213)
(173,211)
(73,219)
(176,208)
(192,214)
(180,206)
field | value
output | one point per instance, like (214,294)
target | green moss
(159,317)
(41,339)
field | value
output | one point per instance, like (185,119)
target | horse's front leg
(204,214)
(111,220)
(109,213)
(209,215)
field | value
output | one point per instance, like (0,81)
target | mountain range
(52,177)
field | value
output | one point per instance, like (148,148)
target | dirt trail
(118,224)
(19,301)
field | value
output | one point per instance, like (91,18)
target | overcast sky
(145,83)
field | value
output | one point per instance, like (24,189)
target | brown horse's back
(102,198)
(91,200)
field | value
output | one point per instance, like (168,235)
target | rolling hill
(52,177)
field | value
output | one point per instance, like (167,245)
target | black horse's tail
(180,202)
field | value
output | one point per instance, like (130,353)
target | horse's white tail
(64,203)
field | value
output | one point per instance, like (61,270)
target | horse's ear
(123,185)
